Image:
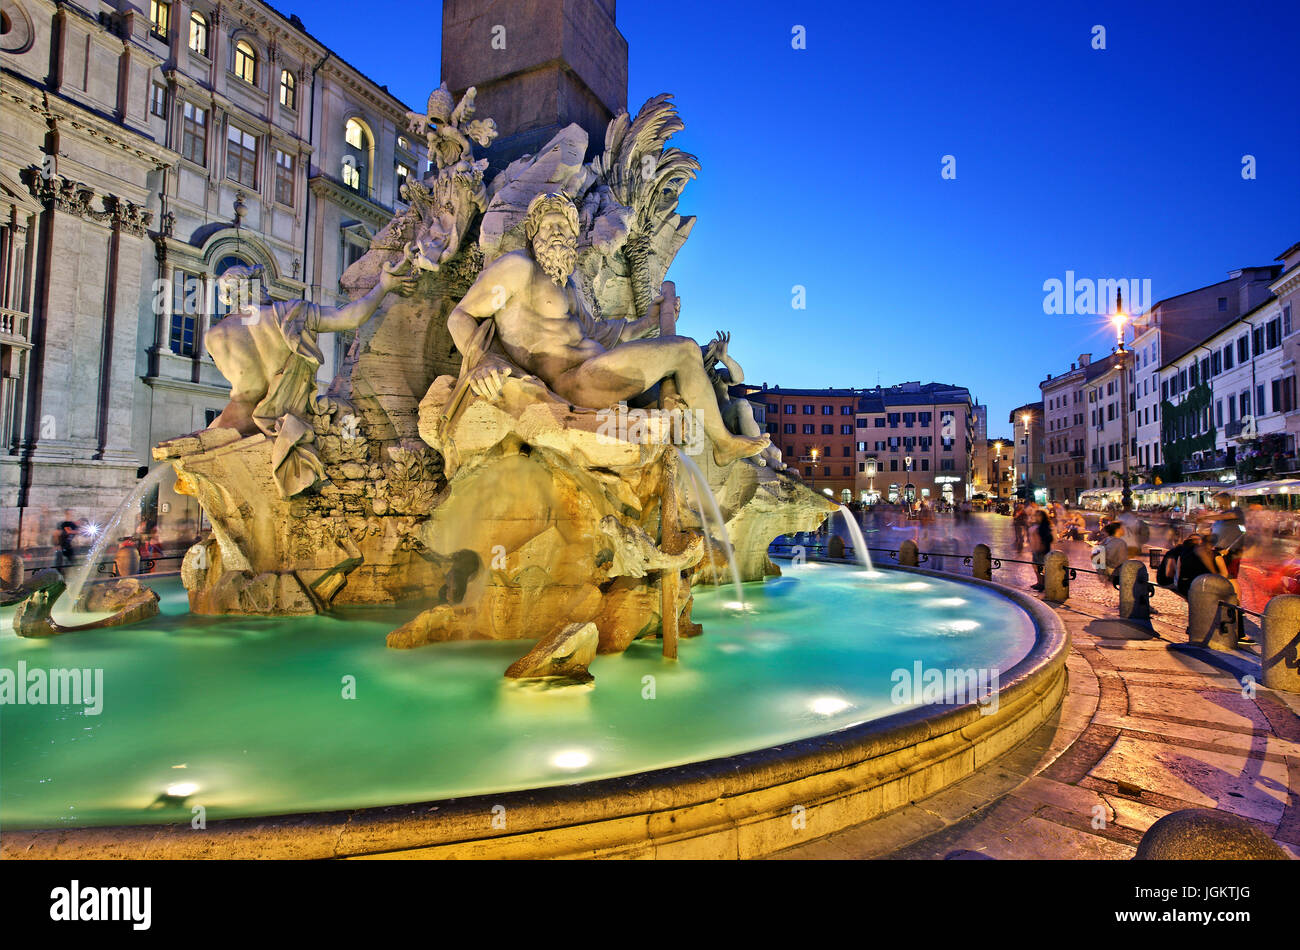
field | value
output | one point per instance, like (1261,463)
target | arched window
(199,33)
(246,62)
(288,90)
(356,156)
(354,133)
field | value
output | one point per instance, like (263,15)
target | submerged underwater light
(828,705)
(574,759)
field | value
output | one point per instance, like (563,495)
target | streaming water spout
(107,535)
(859,542)
(704,494)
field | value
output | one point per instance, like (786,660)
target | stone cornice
(365,90)
(73,197)
(60,111)
(330,190)
(1287,283)
(187,386)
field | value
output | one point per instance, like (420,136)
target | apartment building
(1001,475)
(814,428)
(979,482)
(1029,454)
(1105,443)
(922,438)
(1169,329)
(1287,291)
(1227,400)
(1065,423)
(148,148)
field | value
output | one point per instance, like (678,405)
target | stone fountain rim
(733,806)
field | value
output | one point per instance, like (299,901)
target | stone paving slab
(1210,706)
(1182,733)
(1252,788)
(1148,725)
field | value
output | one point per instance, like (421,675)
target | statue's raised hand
(401,276)
(487,377)
(719,344)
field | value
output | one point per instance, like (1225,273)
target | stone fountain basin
(745,805)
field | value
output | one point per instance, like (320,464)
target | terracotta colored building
(816,432)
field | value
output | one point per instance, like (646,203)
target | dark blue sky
(821,167)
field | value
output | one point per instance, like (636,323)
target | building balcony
(14,325)
(1214,462)
(1233,430)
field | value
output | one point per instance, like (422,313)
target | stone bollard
(1204,834)
(127,561)
(1056,577)
(982,563)
(12,570)
(835,546)
(908,555)
(1134,591)
(1280,656)
(1208,624)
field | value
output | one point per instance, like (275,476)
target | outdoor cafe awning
(1281,486)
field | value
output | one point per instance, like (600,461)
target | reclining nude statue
(543,326)
(268,351)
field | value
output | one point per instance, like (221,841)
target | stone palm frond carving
(638,169)
(641,174)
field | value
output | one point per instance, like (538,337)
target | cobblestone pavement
(1148,725)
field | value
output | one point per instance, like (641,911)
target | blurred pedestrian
(1040,542)
(1227,530)
(1111,553)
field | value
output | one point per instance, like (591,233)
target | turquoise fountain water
(249,716)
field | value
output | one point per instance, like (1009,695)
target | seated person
(1109,556)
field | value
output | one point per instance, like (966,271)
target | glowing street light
(1119,318)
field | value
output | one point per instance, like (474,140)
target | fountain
(704,494)
(859,542)
(107,533)
(467,483)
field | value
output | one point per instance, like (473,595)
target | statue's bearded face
(556,247)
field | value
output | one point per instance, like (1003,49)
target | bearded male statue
(544,328)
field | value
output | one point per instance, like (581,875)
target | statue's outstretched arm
(401,277)
(737,374)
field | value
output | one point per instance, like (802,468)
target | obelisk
(538,65)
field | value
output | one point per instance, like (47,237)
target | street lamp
(871,474)
(1024,421)
(814,469)
(997,472)
(1120,354)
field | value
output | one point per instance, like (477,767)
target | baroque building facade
(147,148)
